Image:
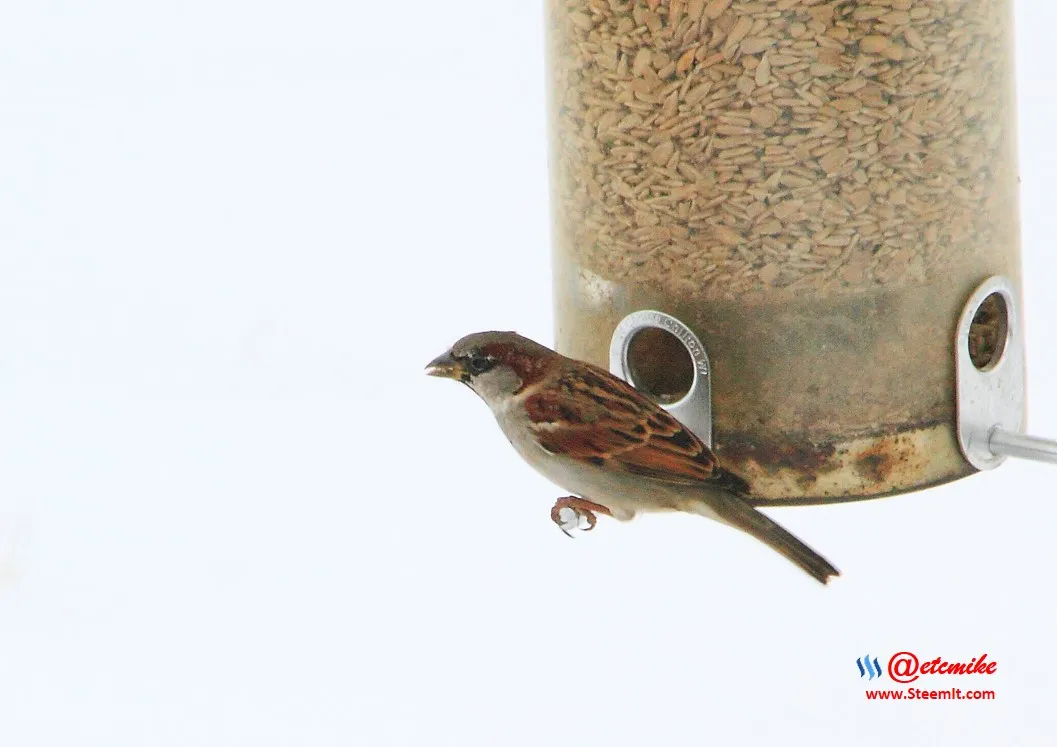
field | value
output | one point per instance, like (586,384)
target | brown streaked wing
(595,417)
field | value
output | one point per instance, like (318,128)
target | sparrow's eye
(480,363)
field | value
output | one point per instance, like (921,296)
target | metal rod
(1007,443)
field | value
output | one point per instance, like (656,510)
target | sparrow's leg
(568,511)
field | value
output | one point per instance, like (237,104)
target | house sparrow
(598,437)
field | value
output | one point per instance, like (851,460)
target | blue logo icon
(868,667)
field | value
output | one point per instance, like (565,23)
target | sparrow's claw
(570,513)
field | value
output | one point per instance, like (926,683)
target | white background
(234,511)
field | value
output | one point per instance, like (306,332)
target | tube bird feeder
(809,192)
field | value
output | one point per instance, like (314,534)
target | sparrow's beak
(445,366)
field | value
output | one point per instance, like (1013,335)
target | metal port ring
(694,410)
(991,399)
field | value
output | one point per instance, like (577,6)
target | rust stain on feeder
(875,463)
(803,461)
(801,457)
(802,473)
(891,459)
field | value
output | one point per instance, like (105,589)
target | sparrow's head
(496,365)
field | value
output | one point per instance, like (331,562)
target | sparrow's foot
(571,512)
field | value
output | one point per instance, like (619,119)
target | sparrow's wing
(595,417)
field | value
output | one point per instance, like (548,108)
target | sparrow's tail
(734,511)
